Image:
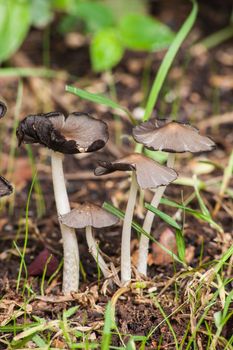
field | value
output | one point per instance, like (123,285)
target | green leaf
(100,99)
(180,244)
(106,50)
(14,25)
(168,219)
(140,32)
(96,16)
(63,5)
(41,13)
(70,312)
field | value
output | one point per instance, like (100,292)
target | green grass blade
(22,262)
(100,99)
(166,218)
(108,325)
(120,214)
(168,59)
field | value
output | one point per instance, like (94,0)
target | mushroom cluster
(173,137)
(79,133)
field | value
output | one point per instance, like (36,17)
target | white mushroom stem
(126,232)
(144,240)
(93,249)
(70,243)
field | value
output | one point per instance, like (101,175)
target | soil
(198,85)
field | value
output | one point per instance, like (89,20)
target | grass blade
(99,99)
(168,219)
(120,214)
(168,59)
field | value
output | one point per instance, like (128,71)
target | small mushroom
(172,137)
(146,174)
(5,187)
(76,133)
(3,109)
(86,216)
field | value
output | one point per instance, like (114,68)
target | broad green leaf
(122,6)
(41,13)
(140,32)
(96,16)
(180,244)
(63,5)
(168,219)
(106,50)
(97,98)
(14,25)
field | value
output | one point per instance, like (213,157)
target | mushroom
(5,187)
(76,133)
(173,137)
(86,216)
(3,109)
(146,174)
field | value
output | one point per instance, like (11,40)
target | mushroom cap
(3,109)
(76,133)
(5,187)
(88,214)
(175,137)
(149,173)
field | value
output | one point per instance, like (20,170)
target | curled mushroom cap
(149,173)
(3,109)
(76,133)
(5,187)
(88,214)
(171,137)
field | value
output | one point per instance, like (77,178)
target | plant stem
(70,244)
(144,241)
(93,249)
(126,232)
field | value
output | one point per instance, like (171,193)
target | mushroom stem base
(126,232)
(93,249)
(70,244)
(148,221)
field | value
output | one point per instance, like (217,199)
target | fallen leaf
(158,255)
(36,268)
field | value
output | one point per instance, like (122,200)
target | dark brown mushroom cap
(3,109)
(5,187)
(88,214)
(176,137)
(149,173)
(77,133)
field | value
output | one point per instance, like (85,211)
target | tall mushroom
(86,216)
(173,137)
(76,133)
(146,174)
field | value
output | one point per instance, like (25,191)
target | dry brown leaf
(158,255)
